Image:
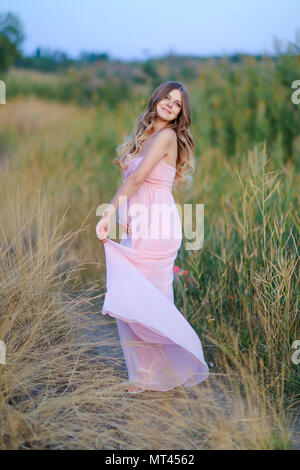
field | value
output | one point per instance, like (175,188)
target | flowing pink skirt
(160,347)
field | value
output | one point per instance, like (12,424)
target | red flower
(186,272)
(176,269)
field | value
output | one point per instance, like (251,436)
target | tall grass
(62,389)
(245,281)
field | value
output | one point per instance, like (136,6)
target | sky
(132,29)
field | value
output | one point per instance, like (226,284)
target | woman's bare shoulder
(167,134)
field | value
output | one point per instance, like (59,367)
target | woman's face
(170,106)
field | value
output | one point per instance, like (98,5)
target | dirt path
(102,331)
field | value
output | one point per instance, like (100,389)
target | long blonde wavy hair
(144,126)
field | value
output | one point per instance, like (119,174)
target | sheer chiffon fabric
(160,348)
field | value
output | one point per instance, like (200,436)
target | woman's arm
(128,188)
(159,147)
(157,150)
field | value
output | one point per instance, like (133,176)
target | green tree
(11,37)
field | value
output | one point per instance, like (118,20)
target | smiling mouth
(166,110)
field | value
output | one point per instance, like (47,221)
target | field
(63,385)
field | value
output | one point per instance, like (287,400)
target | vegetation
(58,135)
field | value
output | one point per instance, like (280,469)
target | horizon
(251,30)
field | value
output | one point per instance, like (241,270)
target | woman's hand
(102,228)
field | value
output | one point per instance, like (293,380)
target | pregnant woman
(160,347)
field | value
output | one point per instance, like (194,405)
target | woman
(160,347)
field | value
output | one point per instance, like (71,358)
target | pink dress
(160,347)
